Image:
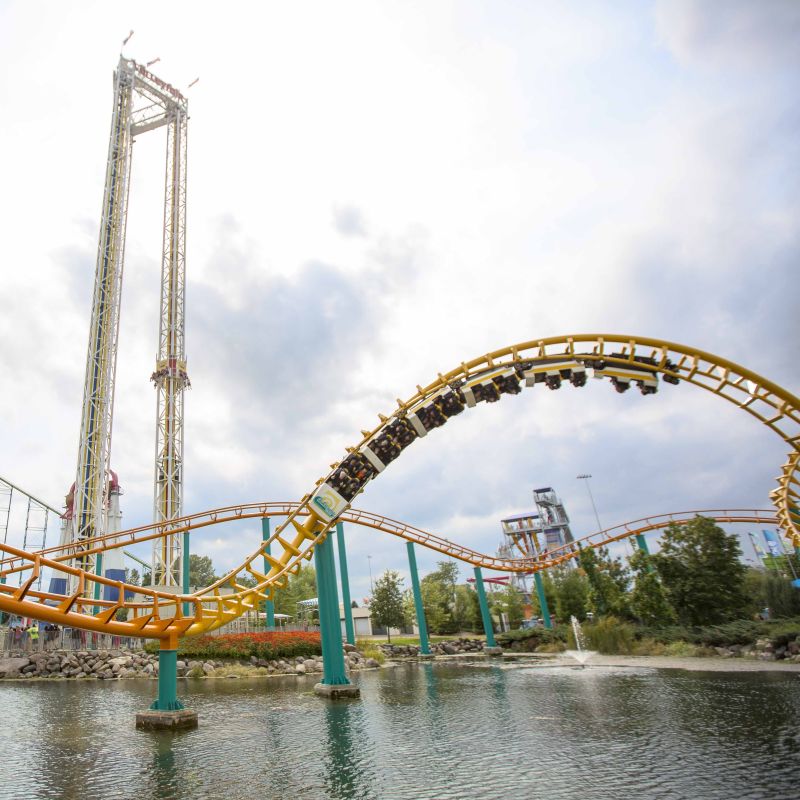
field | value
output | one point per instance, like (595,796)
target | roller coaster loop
(626,361)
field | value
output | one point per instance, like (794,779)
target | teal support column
(329,625)
(167,682)
(269,606)
(485,615)
(424,644)
(187,607)
(537,579)
(348,612)
(98,570)
(641,543)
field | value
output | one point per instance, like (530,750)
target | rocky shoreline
(120,664)
(453,648)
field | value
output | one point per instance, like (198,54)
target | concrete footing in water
(166,720)
(426,656)
(337,691)
(493,651)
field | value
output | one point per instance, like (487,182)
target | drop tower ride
(142,102)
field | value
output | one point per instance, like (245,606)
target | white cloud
(503,174)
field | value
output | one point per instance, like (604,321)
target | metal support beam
(330,628)
(485,615)
(269,606)
(348,611)
(543,605)
(424,644)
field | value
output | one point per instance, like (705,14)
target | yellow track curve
(624,360)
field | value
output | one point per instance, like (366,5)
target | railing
(15,640)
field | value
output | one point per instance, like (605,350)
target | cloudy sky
(380,190)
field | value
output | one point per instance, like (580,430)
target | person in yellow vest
(33,632)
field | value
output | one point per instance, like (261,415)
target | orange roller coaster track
(624,360)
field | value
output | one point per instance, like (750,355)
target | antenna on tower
(127,38)
(154,61)
(193,83)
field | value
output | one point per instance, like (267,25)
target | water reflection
(420,731)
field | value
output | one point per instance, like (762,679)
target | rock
(449,649)
(348,648)
(300,669)
(208,668)
(12,665)
(120,661)
(372,663)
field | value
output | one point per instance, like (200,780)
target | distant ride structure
(142,102)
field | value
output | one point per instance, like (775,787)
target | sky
(378,191)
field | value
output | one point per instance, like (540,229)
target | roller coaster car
(451,403)
(622,375)
(342,482)
(551,373)
(402,432)
(359,467)
(671,378)
(487,391)
(385,448)
(507,384)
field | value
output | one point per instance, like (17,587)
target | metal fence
(18,640)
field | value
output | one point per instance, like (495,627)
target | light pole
(586,477)
(371,587)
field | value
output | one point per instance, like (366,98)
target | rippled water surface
(430,731)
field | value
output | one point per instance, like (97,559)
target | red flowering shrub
(267,645)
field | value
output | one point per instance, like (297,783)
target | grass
(369,649)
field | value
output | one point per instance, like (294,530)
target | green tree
(608,582)
(201,571)
(132,577)
(439,598)
(700,569)
(649,601)
(572,593)
(386,606)
(508,602)
(302,586)
(467,610)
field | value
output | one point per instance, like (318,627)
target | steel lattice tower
(142,102)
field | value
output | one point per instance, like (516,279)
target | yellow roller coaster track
(625,360)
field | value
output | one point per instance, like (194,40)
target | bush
(267,645)
(609,636)
(528,640)
(370,649)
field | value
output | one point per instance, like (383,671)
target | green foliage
(369,649)
(467,610)
(386,605)
(766,589)
(267,645)
(439,598)
(648,600)
(201,571)
(132,577)
(608,582)
(609,636)
(700,570)
(571,593)
(528,640)
(302,586)
(509,602)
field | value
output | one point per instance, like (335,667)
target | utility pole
(586,477)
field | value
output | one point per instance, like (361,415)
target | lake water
(431,731)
